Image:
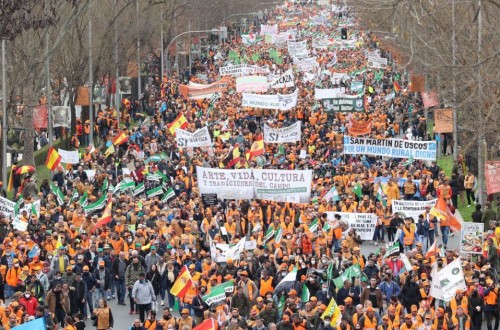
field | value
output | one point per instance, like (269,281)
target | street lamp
(180,35)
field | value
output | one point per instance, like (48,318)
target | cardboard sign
(443,120)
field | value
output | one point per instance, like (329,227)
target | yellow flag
(333,312)
(109,151)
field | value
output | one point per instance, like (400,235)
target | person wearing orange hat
(408,323)
(11,278)
(459,300)
(490,294)
(441,321)
(249,287)
(460,317)
(368,320)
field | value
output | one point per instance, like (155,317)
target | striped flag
(53,159)
(332,194)
(170,193)
(97,206)
(120,139)
(179,122)
(139,189)
(182,283)
(380,196)
(313,227)
(84,199)
(74,196)
(154,192)
(269,234)
(278,235)
(106,216)
(56,191)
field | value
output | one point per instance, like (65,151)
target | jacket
(389,289)
(106,279)
(143,292)
(80,290)
(132,274)
(51,298)
(89,280)
(242,303)
(365,295)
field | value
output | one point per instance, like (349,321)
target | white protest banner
(282,135)
(364,223)
(282,185)
(451,278)
(255,69)
(199,138)
(397,148)
(285,80)
(28,207)
(251,245)
(230,70)
(69,157)
(251,84)
(411,209)
(276,102)
(435,290)
(61,116)
(298,49)
(277,185)
(269,29)
(405,261)
(288,101)
(377,62)
(328,93)
(227,184)
(306,64)
(260,101)
(471,240)
(320,43)
(7,207)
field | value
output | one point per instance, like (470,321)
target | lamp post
(4,116)
(180,35)
(91,79)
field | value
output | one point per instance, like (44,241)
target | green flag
(99,205)
(281,305)
(218,293)
(394,249)
(83,200)
(357,190)
(154,192)
(162,176)
(105,185)
(269,234)
(139,189)
(170,193)
(56,191)
(348,274)
(329,271)
(380,196)
(278,235)
(305,294)
(256,57)
(74,196)
(313,227)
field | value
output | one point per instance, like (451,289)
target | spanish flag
(257,149)
(208,324)
(397,88)
(106,216)
(120,139)
(53,159)
(232,158)
(182,283)
(179,122)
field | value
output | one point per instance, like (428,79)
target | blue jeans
(423,240)
(90,302)
(112,286)
(445,230)
(171,299)
(9,291)
(120,290)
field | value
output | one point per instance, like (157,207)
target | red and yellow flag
(106,216)
(257,149)
(53,159)
(208,324)
(120,139)
(397,88)
(179,122)
(182,283)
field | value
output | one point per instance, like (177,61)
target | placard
(40,117)
(328,93)
(285,80)
(282,185)
(364,223)
(377,62)
(61,116)
(69,157)
(492,173)
(395,148)
(298,49)
(443,120)
(306,64)
(7,207)
(344,104)
(209,199)
(226,184)
(199,138)
(275,102)
(288,134)
(471,240)
(196,91)
(411,209)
